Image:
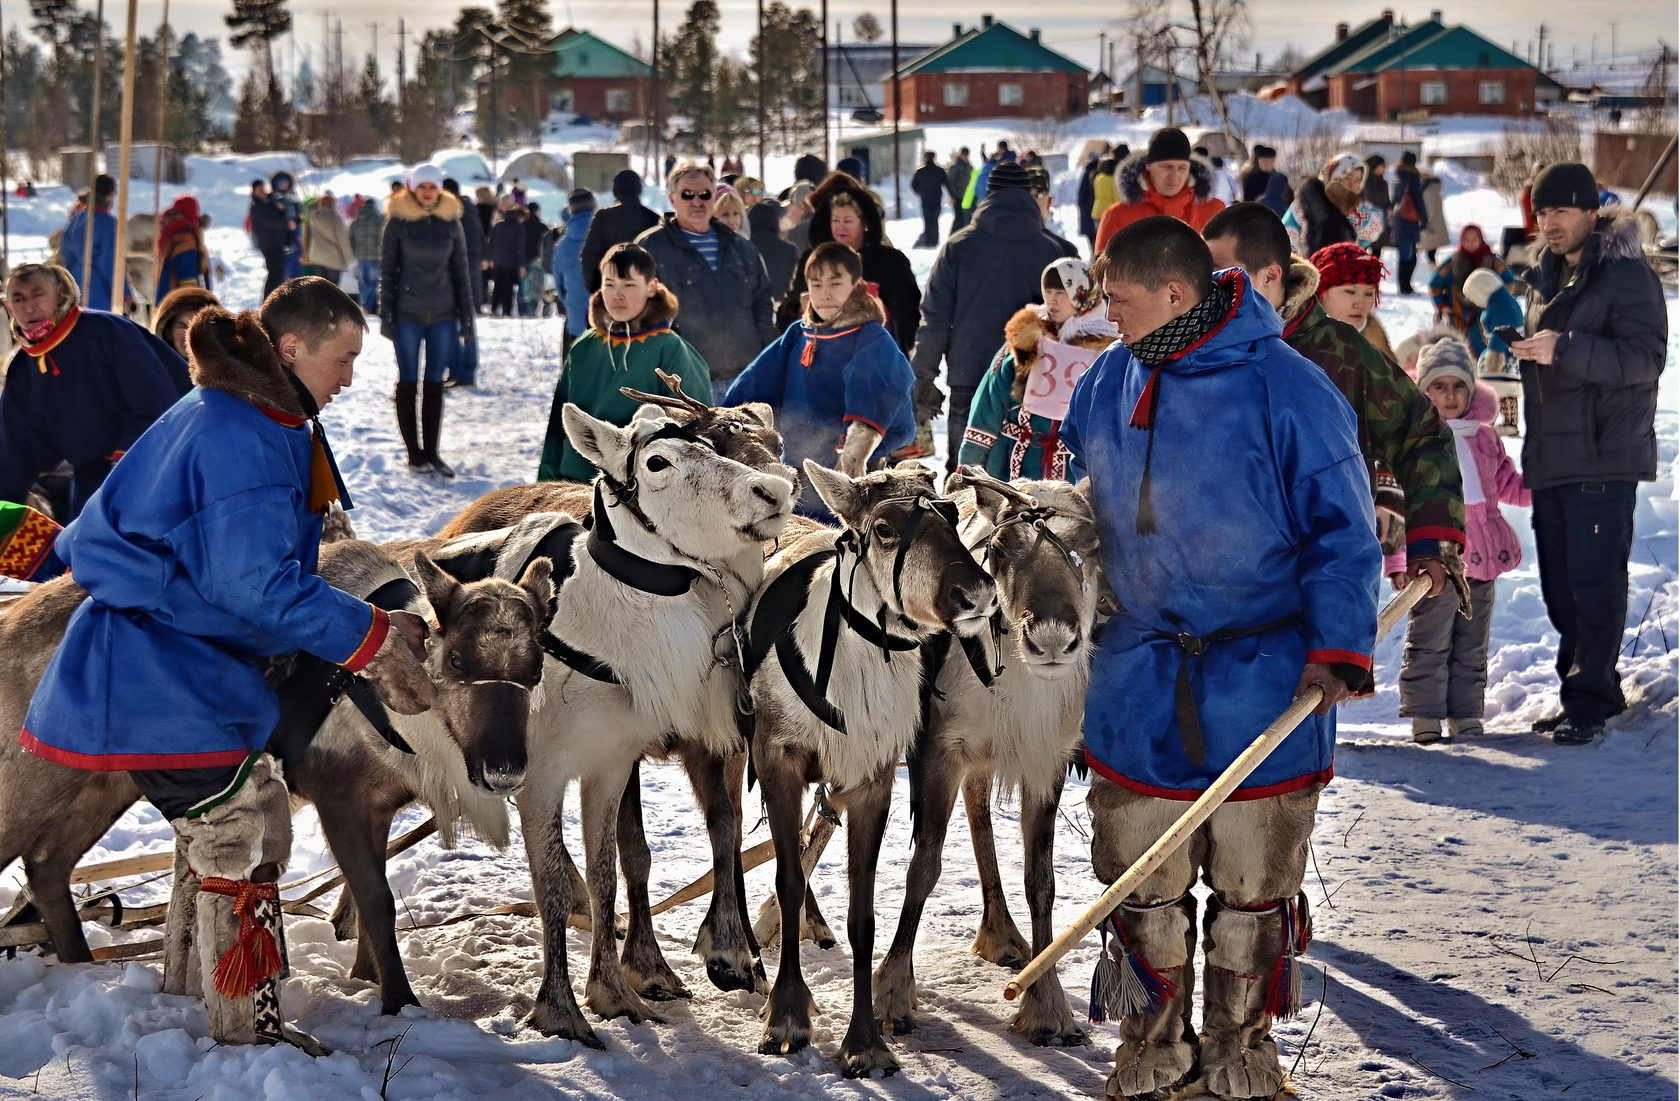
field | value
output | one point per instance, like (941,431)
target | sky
(1306,24)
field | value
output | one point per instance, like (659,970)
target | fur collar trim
(661,309)
(1618,236)
(1300,288)
(1025,331)
(233,353)
(404,206)
(1129,179)
(859,309)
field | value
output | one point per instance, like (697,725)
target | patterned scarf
(1170,341)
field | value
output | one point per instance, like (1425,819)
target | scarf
(38,342)
(326,484)
(1091,323)
(1170,341)
(1463,432)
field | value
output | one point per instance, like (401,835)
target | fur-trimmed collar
(405,206)
(233,353)
(1300,289)
(1128,178)
(1618,235)
(859,309)
(662,307)
(1029,327)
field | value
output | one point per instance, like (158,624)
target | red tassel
(1143,414)
(254,957)
(809,355)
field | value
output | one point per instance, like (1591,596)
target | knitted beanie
(1006,175)
(1566,184)
(1169,143)
(1344,263)
(1450,358)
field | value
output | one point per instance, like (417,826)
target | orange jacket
(1194,205)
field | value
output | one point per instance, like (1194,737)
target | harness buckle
(1190,644)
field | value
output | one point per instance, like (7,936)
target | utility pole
(658,137)
(402,70)
(825,103)
(762,174)
(898,180)
(162,119)
(119,243)
(93,142)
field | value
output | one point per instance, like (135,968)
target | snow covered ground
(1496,916)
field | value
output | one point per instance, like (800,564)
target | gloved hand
(928,400)
(397,671)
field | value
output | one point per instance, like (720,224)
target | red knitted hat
(1344,263)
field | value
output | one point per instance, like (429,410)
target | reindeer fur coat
(198,557)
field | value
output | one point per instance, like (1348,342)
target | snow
(1469,899)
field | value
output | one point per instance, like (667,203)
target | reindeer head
(746,433)
(486,659)
(906,536)
(707,507)
(1038,540)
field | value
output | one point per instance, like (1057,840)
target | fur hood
(1300,288)
(233,353)
(868,206)
(1484,404)
(1618,236)
(1129,179)
(1030,326)
(405,206)
(860,309)
(661,307)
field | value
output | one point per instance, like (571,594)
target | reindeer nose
(762,492)
(1050,641)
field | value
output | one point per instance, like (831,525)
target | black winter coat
(779,256)
(507,243)
(930,184)
(623,221)
(474,234)
(1322,223)
(269,231)
(423,263)
(1591,414)
(726,314)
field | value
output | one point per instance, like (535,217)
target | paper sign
(1051,380)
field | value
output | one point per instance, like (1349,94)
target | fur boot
(407,425)
(431,426)
(1157,1047)
(180,947)
(1252,977)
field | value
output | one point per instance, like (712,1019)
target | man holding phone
(1600,336)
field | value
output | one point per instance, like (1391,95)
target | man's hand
(1431,567)
(928,399)
(1399,581)
(1538,348)
(1317,675)
(397,671)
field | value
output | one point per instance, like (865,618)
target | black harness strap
(658,578)
(1184,695)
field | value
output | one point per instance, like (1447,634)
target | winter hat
(810,168)
(427,173)
(1344,263)
(1263,151)
(1076,281)
(1169,143)
(1480,286)
(627,185)
(1451,358)
(1008,175)
(1038,179)
(1566,184)
(766,216)
(851,166)
(1339,166)
(1409,159)
(581,198)
(1122,151)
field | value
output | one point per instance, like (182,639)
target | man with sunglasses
(717,275)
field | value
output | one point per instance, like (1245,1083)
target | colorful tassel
(1283,989)
(254,957)
(1126,986)
(1143,413)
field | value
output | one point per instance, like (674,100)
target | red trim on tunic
(865,421)
(371,642)
(123,762)
(1435,533)
(280,416)
(1331,657)
(1188,795)
(55,336)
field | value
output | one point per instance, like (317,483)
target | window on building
(1434,92)
(1491,91)
(618,101)
(956,95)
(1009,95)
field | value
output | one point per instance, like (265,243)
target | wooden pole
(93,144)
(119,249)
(1199,811)
(163,118)
(898,182)
(762,174)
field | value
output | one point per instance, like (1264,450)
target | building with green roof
(599,80)
(990,71)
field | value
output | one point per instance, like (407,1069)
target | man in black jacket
(624,220)
(1590,375)
(930,184)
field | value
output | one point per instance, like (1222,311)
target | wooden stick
(128,865)
(1188,822)
(750,859)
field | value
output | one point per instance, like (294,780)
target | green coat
(607,356)
(1398,426)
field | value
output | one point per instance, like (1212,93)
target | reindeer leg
(606,991)
(864,1050)
(895,980)
(781,778)
(542,819)
(51,816)
(358,844)
(735,784)
(814,927)
(1045,1018)
(723,941)
(998,939)
(644,964)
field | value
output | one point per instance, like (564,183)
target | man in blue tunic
(1237,530)
(198,557)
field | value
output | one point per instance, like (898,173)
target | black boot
(431,420)
(1405,275)
(407,425)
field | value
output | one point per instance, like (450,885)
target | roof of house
(994,47)
(1429,45)
(1374,31)
(582,54)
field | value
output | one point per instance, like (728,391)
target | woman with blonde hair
(731,209)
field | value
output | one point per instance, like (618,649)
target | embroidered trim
(371,642)
(978,437)
(1186,795)
(1331,657)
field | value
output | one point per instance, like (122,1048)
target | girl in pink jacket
(1445,668)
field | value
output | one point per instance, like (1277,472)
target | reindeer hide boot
(238,846)
(1145,979)
(431,424)
(407,425)
(180,945)
(1253,977)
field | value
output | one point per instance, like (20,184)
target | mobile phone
(1508,334)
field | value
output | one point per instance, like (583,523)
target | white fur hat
(1446,358)
(1480,286)
(424,174)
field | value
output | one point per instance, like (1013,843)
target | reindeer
(468,752)
(829,709)
(1018,723)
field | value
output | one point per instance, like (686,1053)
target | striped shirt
(706,244)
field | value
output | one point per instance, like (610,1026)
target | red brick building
(990,71)
(597,79)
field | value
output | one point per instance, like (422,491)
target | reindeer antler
(977,478)
(680,403)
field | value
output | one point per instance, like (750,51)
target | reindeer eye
(885,531)
(455,662)
(656,463)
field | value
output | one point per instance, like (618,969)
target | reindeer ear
(838,492)
(440,589)
(605,445)
(650,411)
(538,583)
(760,412)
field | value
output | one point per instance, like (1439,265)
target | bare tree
(1221,28)
(1147,25)
(867,28)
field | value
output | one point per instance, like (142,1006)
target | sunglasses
(688,196)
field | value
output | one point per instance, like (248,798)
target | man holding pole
(1237,530)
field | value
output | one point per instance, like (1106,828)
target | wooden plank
(128,865)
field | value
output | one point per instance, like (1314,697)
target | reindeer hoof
(900,1025)
(392,1006)
(551,1021)
(725,975)
(620,1003)
(823,937)
(784,1039)
(1004,947)
(305,1043)
(1050,1036)
(661,991)
(864,1063)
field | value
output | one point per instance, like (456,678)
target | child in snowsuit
(836,379)
(629,339)
(1002,435)
(1445,667)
